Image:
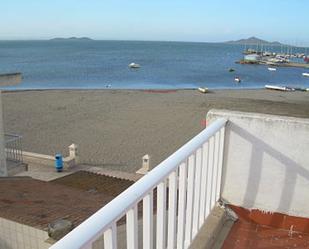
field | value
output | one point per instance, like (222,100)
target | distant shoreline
(232,43)
(71,39)
(124,89)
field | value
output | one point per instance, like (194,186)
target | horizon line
(141,40)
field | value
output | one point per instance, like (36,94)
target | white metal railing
(13,148)
(187,187)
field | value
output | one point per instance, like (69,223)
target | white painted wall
(266,162)
(15,235)
(3,166)
(5,80)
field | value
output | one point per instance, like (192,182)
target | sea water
(104,64)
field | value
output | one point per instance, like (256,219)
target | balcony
(252,165)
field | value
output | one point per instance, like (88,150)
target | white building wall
(14,235)
(266,162)
(5,80)
(3,167)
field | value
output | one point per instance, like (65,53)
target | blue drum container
(58,162)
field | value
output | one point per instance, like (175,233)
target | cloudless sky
(177,20)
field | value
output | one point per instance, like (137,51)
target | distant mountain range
(253,41)
(71,39)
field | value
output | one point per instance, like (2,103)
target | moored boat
(237,79)
(134,65)
(301,89)
(272,69)
(203,89)
(279,88)
(306,74)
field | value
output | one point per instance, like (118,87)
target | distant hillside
(253,41)
(72,39)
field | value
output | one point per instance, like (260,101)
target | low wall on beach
(47,160)
(266,162)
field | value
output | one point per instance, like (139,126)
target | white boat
(306,74)
(237,79)
(134,65)
(203,89)
(272,69)
(279,88)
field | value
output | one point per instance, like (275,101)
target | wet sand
(115,128)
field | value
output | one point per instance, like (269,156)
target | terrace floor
(74,197)
(48,173)
(252,233)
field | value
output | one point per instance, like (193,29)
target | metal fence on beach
(13,148)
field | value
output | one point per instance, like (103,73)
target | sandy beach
(115,128)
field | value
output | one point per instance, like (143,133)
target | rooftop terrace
(74,197)
(258,163)
(252,167)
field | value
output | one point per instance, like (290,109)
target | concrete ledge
(213,114)
(210,232)
(47,160)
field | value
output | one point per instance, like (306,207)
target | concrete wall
(5,80)
(3,166)
(14,235)
(266,162)
(47,160)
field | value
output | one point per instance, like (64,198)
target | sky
(166,20)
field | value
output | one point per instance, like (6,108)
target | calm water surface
(98,64)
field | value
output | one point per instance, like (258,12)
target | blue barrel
(58,162)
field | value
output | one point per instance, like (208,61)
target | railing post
(172,204)
(148,221)
(197,192)
(73,152)
(110,237)
(161,215)
(182,205)
(203,184)
(209,176)
(215,170)
(220,163)
(190,200)
(132,228)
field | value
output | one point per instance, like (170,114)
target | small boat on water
(203,89)
(134,65)
(301,89)
(272,69)
(231,70)
(280,88)
(237,79)
(306,74)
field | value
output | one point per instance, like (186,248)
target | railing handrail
(14,137)
(12,134)
(95,225)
